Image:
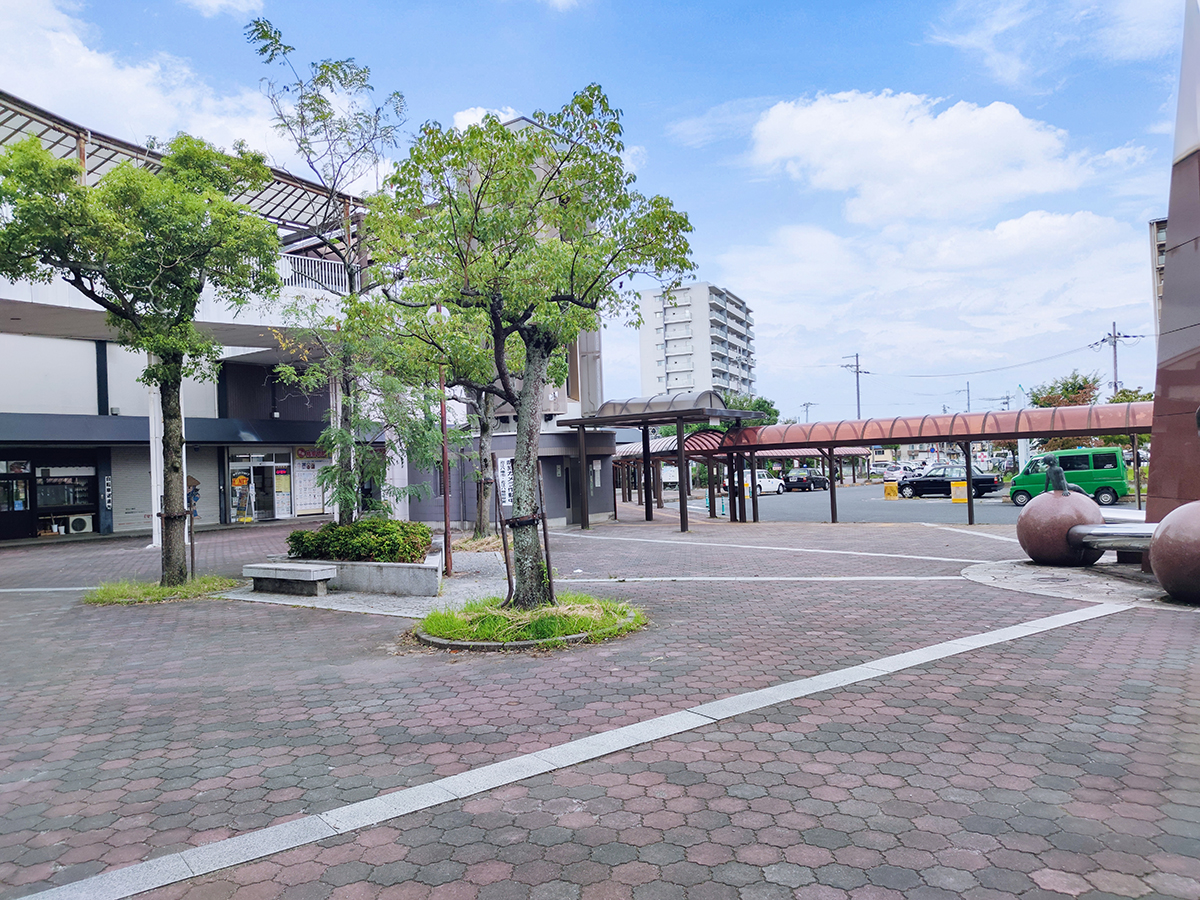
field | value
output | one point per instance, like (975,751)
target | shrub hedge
(367,540)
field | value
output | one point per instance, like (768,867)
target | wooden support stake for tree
(503,533)
(546,532)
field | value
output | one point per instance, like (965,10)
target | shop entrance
(260,486)
(17,518)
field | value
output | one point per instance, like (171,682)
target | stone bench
(1129,539)
(303,579)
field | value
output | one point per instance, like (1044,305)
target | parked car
(1099,472)
(805,480)
(765,483)
(897,471)
(937,481)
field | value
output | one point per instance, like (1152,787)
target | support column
(827,455)
(647,477)
(731,481)
(711,468)
(1137,470)
(682,474)
(754,485)
(741,467)
(585,481)
(966,449)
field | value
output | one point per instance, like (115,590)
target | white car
(896,471)
(764,483)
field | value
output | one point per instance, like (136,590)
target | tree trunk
(485,404)
(174,512)
(345,461)
(532,586)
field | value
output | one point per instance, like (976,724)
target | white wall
(125,392)
(47,375)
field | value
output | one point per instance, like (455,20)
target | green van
(1099,471)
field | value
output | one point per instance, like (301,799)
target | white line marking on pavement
(982,534)
(616,580)
(120,884)
(597,537)
(35,590)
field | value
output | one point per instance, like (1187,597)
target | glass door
(264,491)
(17,518)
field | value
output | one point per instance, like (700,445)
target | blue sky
(945,188)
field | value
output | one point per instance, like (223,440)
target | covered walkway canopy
(662,409)
(1000,425)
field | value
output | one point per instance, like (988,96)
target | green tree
(144,243)
(1070,390)
(526,236)
(341,135)
(760,404)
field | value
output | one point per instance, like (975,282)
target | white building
(698,338)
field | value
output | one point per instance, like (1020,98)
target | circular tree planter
(496,646)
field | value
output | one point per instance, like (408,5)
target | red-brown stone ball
(1175,553)
(1043,525)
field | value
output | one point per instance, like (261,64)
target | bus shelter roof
(663,409)
(1059,421)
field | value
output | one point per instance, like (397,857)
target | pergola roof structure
(295,204)
(663,409)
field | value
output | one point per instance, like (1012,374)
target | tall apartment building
(1158,262)
(698,338)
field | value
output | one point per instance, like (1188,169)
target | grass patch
(126,592)
(486,620)
(478,545)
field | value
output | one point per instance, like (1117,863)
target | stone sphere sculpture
(1175,553)
(1043,525)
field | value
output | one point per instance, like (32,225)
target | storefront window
(64,492)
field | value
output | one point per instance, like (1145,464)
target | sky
(956,190)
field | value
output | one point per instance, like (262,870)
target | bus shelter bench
(302,579)
(1129,539)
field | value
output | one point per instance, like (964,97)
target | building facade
(698,338)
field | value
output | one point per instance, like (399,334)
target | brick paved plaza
(1059,760)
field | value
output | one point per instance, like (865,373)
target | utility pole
(968,396)
(857,370)
(806,406)
(1114,337)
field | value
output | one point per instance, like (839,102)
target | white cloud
(1020,41)
(929,299)
(634,158)
(210,8)
(54,65)
(899,157)
(465,118)
(734,119)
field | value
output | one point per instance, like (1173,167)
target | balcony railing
(313,273)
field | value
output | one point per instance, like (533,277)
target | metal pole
(857,392)
(447,557)
(546,533)
(502,525)
(741,465)
(712,486)
(647,475)
(192,533)
(585,481)
(1116,381)
(828,454)
(966,448)
(614,483)
(1137,471)
(731,482)
(658,490)
(683,474)
(754,484)
(638,481)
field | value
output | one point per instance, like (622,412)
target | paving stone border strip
(120,884)
(501,646)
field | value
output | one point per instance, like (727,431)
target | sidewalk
(1052,763)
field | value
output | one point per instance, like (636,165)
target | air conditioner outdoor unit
(80,524)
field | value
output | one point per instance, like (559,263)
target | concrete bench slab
(1127,536)
(302,579)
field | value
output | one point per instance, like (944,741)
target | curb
(500,646)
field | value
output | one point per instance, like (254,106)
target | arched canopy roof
(663,409)
(1061,421)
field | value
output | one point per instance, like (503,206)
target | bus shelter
(644,413)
